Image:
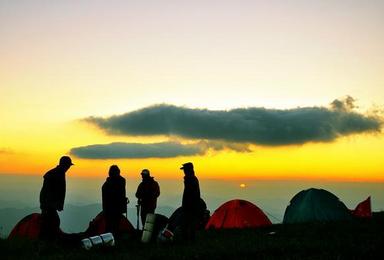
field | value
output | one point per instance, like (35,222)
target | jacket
(52,194)
(191,194)
(147,193)
(114,198)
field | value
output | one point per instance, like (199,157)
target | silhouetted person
(191,202)
(52,196)
(114,199)
(147,193)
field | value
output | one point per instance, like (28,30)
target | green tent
(314,205)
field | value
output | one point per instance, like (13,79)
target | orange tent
(28,227)
(238,214)
(363,209)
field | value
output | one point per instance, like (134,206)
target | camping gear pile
(106,239)
(98,226)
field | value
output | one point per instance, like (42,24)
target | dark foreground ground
(363,239)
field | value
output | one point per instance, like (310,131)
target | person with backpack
(147,193)
(114,199)
(191,203)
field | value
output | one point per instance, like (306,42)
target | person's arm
(58,191)
(157,193)
(125,198)
(195,192)
(103,197)
(139,193)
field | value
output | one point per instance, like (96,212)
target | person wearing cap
(52,196)
(114,199)
(190,203)
(147,193)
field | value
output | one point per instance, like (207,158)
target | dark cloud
(345,104)
(244,125)
(137,150)
(218,146)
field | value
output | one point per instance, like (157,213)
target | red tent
(363,209)
(238,214)
(97,226)
(28,227)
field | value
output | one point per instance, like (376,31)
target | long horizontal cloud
(137,150)
(245,125)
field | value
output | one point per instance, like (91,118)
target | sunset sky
(280,89)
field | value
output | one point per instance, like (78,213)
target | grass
(359,239)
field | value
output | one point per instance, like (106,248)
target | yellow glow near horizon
(351,158)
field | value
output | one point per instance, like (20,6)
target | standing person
(147,193)
(191,202)
(114,199)
(52,196)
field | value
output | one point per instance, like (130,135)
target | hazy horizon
(87,190)
(272,196)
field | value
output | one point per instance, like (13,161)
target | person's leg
(192,228)
(112,223)
(189,226)
(143,215)
(151,210)
(116,225)
(108,222)
(185,222)
(50,224)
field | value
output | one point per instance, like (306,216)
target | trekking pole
(138,216)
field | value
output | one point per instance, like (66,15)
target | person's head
(65,162)
(145,173)
(188,168)
(114,171)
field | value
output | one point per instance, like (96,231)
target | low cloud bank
(137,150)
(260,126)
(235,129)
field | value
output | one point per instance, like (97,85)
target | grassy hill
(363,239)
